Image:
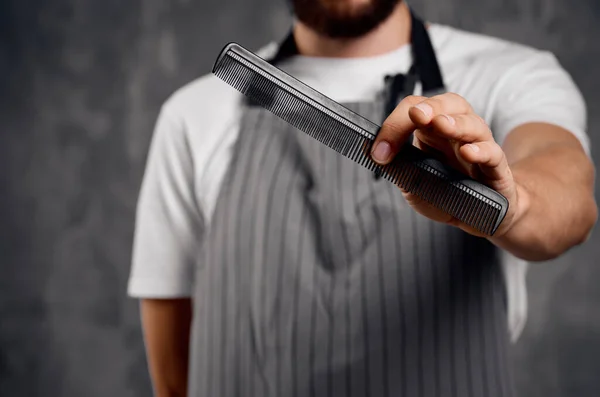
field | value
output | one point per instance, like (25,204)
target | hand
(446,127)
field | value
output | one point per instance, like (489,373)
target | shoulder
(455,45)
(464,53)
(486,69)
(508,83)
(206,101)
(201,100)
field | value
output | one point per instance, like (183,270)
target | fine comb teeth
(352,135)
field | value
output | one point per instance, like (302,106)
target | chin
(343,18)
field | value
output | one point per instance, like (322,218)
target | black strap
(425,68)
(425,63)
(424,59)
(286,49)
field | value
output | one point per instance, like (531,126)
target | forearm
(557,209)
(166,325)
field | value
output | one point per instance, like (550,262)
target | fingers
(395,131)
(425,111)
(461,127)
(441,149)
(414,112)
(434,141)
(490,158)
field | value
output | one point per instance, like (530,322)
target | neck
(390,35)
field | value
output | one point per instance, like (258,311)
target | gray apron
(317,279)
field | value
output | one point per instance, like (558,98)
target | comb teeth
(452,197)
(352,136)
(298,110)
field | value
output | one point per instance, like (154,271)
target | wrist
(522,202)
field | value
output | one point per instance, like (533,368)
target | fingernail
(425,108)
(381,152)
(450,119)
(474,148)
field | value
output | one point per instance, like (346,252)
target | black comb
(352,135)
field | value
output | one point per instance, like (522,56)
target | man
(310,276)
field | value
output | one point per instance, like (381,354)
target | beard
(343,19)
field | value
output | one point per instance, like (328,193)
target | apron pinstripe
(318,280)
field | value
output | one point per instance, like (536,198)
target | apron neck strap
(425,64)
(286,49)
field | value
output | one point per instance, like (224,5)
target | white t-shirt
(507,84)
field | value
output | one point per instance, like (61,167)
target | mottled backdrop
(80,85)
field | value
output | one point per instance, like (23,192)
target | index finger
(395,130)
(412,113)
(445,104)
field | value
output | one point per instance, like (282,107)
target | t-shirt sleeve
(168,225)
(538,89)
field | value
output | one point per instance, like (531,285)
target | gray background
(80,86)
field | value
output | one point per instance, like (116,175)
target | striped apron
(317,279)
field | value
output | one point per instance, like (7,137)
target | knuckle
(413,99)
(452,97)
(482,121)
(390,127)
(463,126)
(496,153)
(488,133)
(436,103)
(463,120)
(459,102)
(478,125)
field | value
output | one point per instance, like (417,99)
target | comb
(352,135)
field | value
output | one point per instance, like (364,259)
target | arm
(555,184)
(542,170)
(166,326)
(168,231)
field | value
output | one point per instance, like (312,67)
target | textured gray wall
(80,86)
